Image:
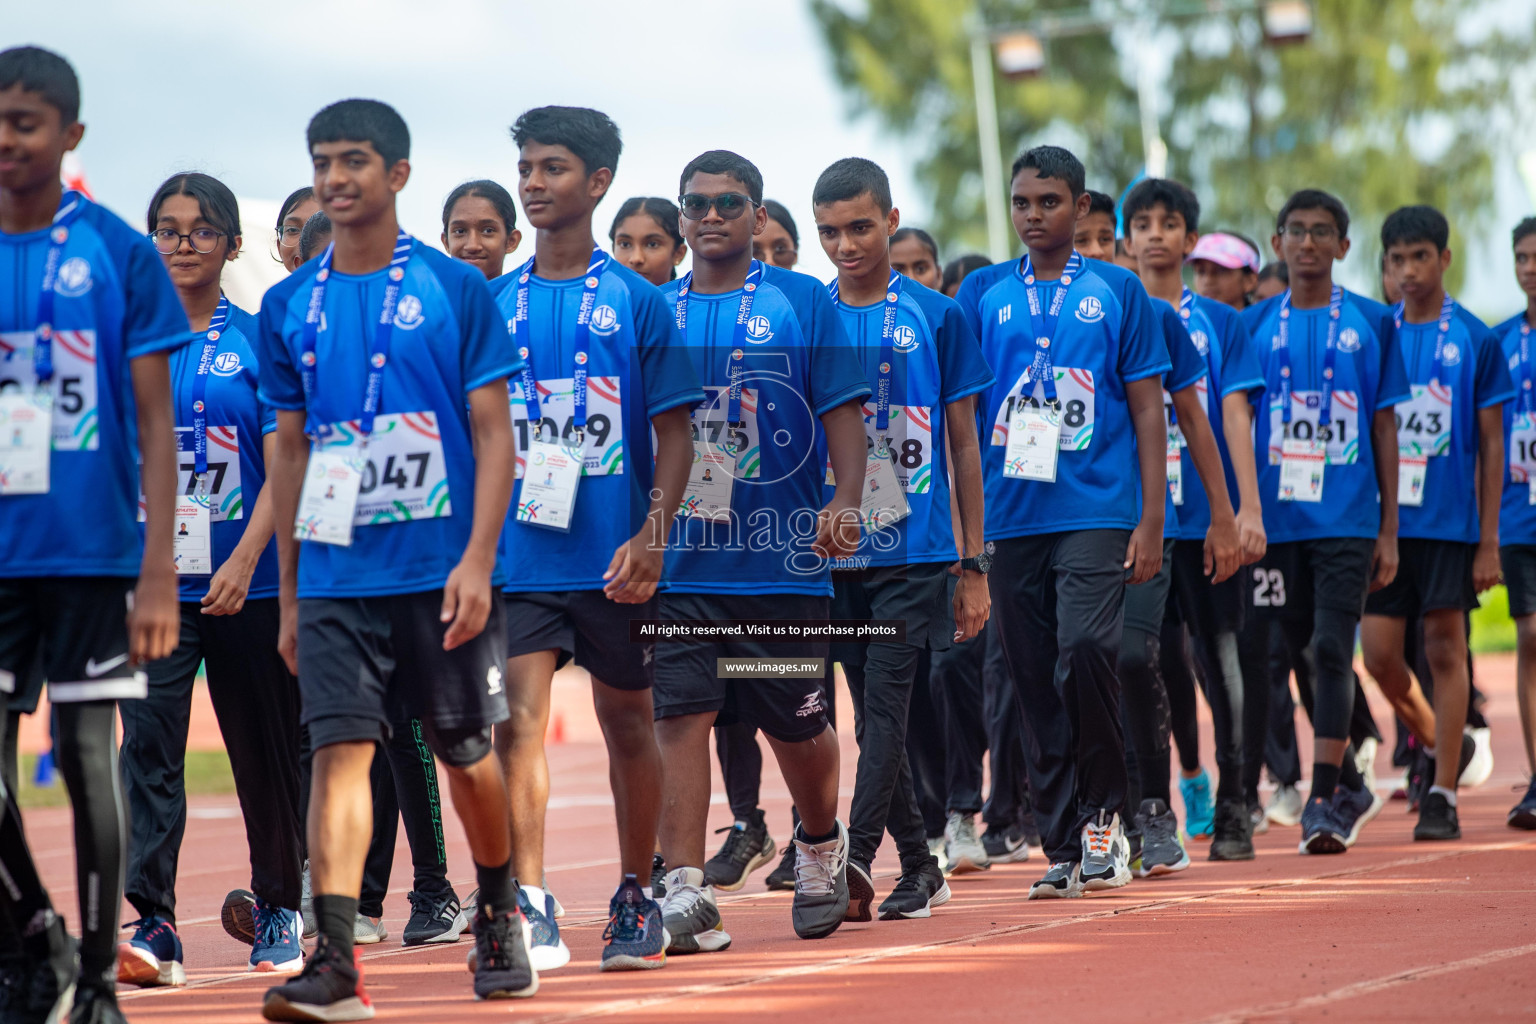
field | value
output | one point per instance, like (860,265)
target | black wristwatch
(982,563)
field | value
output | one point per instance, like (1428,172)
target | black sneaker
(96,1004)
(1232,839)
(1523,814)
(1437,819)
(782,878)
(747,847)
(1422,774)
(1006,845)
(658,877)
(1161,851)
(1060,881)
(329,988)
(433,919)
(501,966)
(861,893)
(47,988)
(917,892)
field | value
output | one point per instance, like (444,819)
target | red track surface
(1392,930)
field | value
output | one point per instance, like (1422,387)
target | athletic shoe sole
(511,993)
(238,916)
(966,865)
(767,854)
(549,958)
(139,967)
(629,962)
(938,899)
(369,937)
(350,1008)
(1157,870)
(292,966)
(1522,818)
(861,894)
(1377,803)
(712,941)
(450,934)
(1323,842)
(1105,882)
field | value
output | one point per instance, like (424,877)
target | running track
(1392,930)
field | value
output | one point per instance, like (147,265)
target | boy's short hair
(851,177)
(1101,202)
(1409,224)
(1523,230)
(1314,199)
(1174,196)
(45,73)
(723,161)
(370,121)
(923,238)
(1053,162)
(590,134)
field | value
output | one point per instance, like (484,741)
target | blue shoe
(152,956)
(546,950)
(278,948)
(1320,831)
(1199,811)
(1353,809)
(1523,814)
(635,937)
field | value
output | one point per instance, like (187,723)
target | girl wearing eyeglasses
(227,566)
(300,205)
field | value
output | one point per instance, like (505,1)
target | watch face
(984,562)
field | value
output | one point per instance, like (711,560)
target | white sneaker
(689,914)
(962,846)
(1106,862)
(1481,766)
(936,847)
(1285,807)
(1365,762)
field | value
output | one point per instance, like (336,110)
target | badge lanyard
(1447,307)
(738,340)
(1186,311)
(1330,355)
(381,333)
(1044,324)
(200,392)
(583,336)
(1527,399)
(887,349)
(42,337)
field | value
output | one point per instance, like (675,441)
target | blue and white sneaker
(152,956)
(546,950)
(635,938)
(278,948)
(1320,830)
(1199,810)
(1353,809)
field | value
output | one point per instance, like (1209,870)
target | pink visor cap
(1225,251)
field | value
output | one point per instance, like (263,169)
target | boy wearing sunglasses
(783,389)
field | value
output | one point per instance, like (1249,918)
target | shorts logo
(492,681)
(759,330)
(74,278)
(1451,354)
(1090,310)
(904,338)
(604,320)
(408,313)
(226,364)
(811,706)
(95,669)
(1202,342)
(1349,340)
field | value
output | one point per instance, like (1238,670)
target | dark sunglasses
(729,205)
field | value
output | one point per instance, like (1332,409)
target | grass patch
(1492,628)
(207,774)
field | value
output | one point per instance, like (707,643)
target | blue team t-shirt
(1218,334)
(1517,515)
(935,361)
(113,302)
(1107,336)
(1369,376)
(1186,370)
(1475,372)
(798,364)
(237,423)
(448,339)
(635,371)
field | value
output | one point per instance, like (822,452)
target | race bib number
(909,438)
(603,439)
(25,445)
(1411,471)
(548,496)
(193,539)
(1424,421)
(73,422)
(402,472)
(711,426)
(1074,393)
(1341,437)
(711,479)
(225,500)
(1034,442)
(1522,452)
(1301,470)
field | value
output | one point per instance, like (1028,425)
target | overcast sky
(228,88)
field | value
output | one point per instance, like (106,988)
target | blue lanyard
(887,349)
(42,336)
(738,339)
(1044,323)
(583,336)
(1527,392)
(1186,311)
(1447,307)
(382,332)
(1330,355)
(200,389)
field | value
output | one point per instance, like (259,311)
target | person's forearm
(1490,483)
(492,432)
(285,479)
(1237,425)
(847,450)
(157,445)
(1384,440)
(1201,440)
(1145,398)
(674,457)
(965,456)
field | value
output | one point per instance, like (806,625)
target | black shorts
(584,625)
(1145,602)
(1519,564)
(1207,608)
(1295,578)
(919,595)
(791,710)
(1432,575)
(78,626)
(367,661)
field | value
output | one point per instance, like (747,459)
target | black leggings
(1228,693)
(1145,717)
(1179,683)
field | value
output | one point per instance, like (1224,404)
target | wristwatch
(982,563)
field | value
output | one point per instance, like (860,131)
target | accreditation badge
(1034,439)
(193,536)
(26,427)
(1301,470)
(328,501)
(883,502)
(711,480)
(550,478)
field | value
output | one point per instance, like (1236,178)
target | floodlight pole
(987,130)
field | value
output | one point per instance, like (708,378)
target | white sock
(1449,794)
(648,893)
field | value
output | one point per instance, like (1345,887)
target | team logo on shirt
(1451,354)
(1202,343)
(1090,310)
(226,364)
(1005,314)
(1349,340)
(74,278)
(904,338)
(605,320)
(759,330)
(408,313)
(197,406)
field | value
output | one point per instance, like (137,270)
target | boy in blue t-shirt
(387,364)
(84,389)
(783,389)
(1517,513)
(925,367)
(1450,442)
(1079,356)
(572,593)
(1328,476)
